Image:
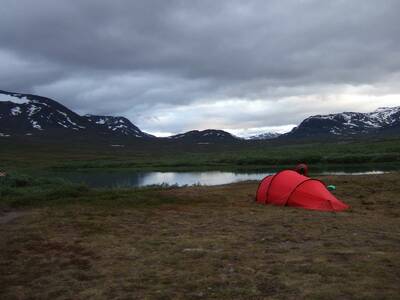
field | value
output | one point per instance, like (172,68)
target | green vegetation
(23,191)
(60,240)
(196,243)
(81,155)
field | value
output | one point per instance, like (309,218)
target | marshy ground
(202,242)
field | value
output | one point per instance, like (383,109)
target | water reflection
(202,178)
(140,179)
(354,173)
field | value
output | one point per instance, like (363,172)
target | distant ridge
(384,120)
(264,136)
(205,136)
(27,114)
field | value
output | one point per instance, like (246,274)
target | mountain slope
(205,136)
(25,114)
(118,125)
(30,114)
(381,121)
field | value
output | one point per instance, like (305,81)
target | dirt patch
(7,217)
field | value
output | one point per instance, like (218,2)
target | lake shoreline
(133,179)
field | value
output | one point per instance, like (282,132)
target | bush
(17,189)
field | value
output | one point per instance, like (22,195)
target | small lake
(115,179)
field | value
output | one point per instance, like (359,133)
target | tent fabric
(262,189)
(289,188)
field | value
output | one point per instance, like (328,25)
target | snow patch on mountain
(119,125)
(14,98)
(33,109)
(15,111)
(36,125)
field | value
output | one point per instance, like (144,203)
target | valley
(65,153)
(175,150)
(190,240)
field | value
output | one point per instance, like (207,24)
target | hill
(26,114)
(383,121)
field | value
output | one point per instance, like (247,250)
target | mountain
(119,125)
(205,136)
(264,136)
(384,120)
(35,115)
(26,114)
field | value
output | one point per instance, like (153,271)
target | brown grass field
(209,243)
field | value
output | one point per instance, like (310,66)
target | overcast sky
(177,65)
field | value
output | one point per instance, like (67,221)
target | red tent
(292,189)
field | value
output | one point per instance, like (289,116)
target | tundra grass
(27,156)
(200,243)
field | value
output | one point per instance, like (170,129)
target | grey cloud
(16,72)
(132,57)
(219,39)
(134,92)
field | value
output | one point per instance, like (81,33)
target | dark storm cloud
(133,57)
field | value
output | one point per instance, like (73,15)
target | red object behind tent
(302,169)
(292,189)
